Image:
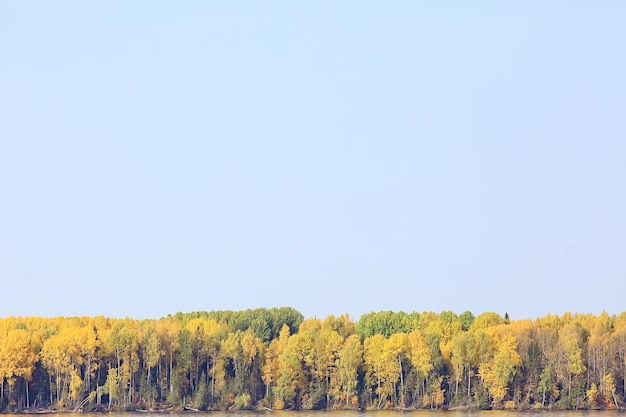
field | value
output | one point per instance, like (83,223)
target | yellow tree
(499,372)
(618,339)
(70,356)
(486,320)
(191,350)
(232,354)
(253,352)
(126,343)
(85,361)
(443,327)
(251,348)
(420,356)
(295,372)
(17,357)
(150,353)
(326,345)
(389,372)
(382,364)
(546,335)
(570,364)
(349,358)
(212,334)
(599,351)
(56,359)
(4,357)
(607,389)
(343,325)
(397,347)
(372,359)
(206,335)
(525,382)
(271,369)
(169,330)
(463,358)
(483,333)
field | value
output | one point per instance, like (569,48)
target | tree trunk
(170,373)
(58,386)
(569,387)
(88,374)
(213,377)
(148,387)
(401,383)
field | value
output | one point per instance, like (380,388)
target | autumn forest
(276,359)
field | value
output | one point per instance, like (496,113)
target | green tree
(385,323)
(546,385)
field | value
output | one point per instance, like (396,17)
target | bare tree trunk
(58,387)
(401,383)
(50,385)
(170,373)
(148,386)
(213,377)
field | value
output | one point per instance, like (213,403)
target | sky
(334,157)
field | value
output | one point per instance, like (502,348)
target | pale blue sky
(334,157)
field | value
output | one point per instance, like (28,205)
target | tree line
(275,359)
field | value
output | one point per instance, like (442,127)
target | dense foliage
(274,358)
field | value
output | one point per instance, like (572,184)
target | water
(353,413)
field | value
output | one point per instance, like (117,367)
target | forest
(274,358)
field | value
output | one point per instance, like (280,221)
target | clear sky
(335,157)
